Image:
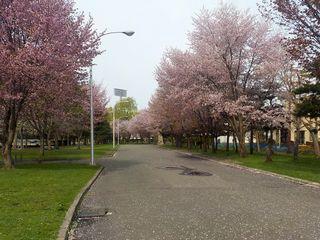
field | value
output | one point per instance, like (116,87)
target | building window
(302,137)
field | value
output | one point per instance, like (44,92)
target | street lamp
(119,93)
(91,118)
(128,33)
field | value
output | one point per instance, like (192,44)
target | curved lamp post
(129,34)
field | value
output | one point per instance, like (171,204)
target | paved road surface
(150,203)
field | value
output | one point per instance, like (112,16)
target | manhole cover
(93,213)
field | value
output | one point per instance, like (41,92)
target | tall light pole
(128,33)
(113,127)
(91,118)
(119,93)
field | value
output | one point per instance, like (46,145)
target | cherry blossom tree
(228,81)
(237,49)
(186,83)
(43,111)
(229,78)
(140,125)
(173,105)
(300,18)
(79,114)
(41,42)
(124,130)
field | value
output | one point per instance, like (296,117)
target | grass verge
(307,167)
(35,198)
(63,153)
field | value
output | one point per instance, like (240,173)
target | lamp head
(129,33)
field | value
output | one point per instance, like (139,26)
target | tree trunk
(270,150)
(242,147)
(228,141)
(205,143)
(9,130)
(21,138)
(213,145)
(217,143)
(242,142)
(296,145)
(79,145)
(178,140)
(26,141)
(251,141)
(235,143)
(7,157)
(189,143)
(258,141)
(239,129)
(56,142)
(314,135)
(68,140)
(41,159)
(159,139)
(49,140)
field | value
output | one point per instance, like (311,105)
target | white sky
(129,62)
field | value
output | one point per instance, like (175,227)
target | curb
(299,181)
(65,227)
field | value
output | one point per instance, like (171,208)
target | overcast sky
(129,62)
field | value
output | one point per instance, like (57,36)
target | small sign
(120,92)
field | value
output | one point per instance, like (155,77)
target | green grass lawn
(35,198)
(307,167)
(64,153)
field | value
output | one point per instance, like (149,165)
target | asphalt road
(147,202)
